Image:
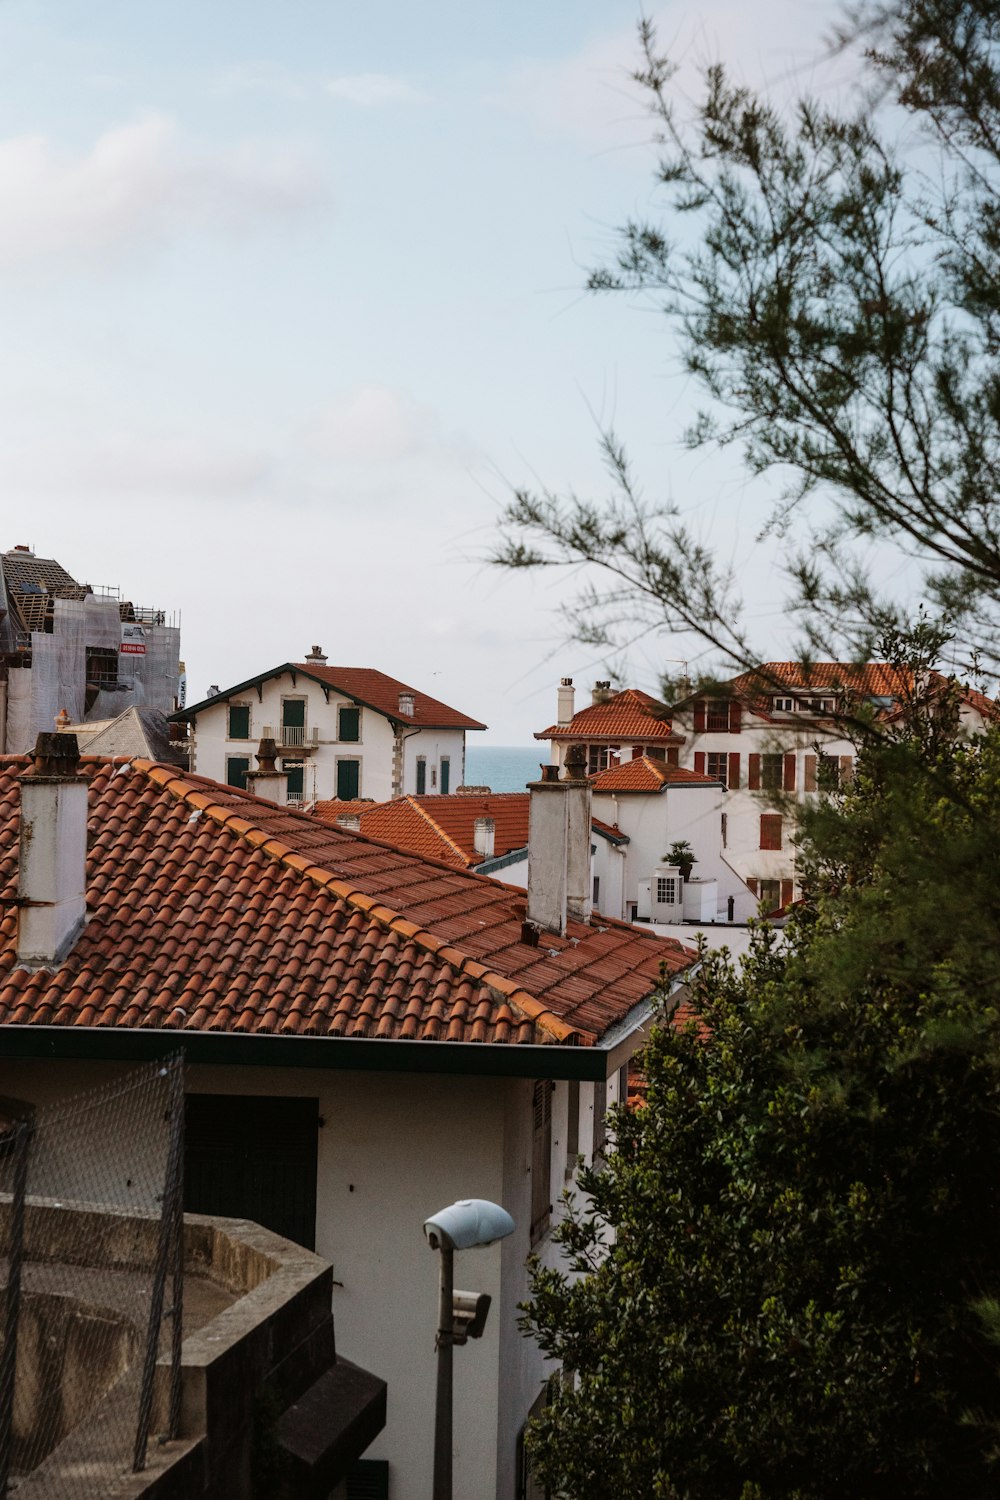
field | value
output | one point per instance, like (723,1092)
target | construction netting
(91,1232)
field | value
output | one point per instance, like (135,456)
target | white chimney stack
(559,833)
(564,701)
(484,837)
(407,704)
(267,781)
(52,870)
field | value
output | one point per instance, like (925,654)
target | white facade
(336,747)
(393,1149)
(655,820)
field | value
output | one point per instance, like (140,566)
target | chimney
(316,655)
(559,833)
(407,705)
(267,781)
(63,720)
(601,693)
(564,701)
(350,821)
(213,691)
(52,875)
(484,837)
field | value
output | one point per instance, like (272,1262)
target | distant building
(613,728)
(778,734)
(68,646)
(343,732)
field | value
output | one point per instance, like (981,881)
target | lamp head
(467,1223)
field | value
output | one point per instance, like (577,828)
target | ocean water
(503,768)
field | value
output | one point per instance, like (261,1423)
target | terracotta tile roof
(211,910)
(628,716)
(370,688)
(874,679)
(443,827)
(643,774)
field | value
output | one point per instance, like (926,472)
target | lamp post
(462,1226)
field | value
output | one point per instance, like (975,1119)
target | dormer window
(784,705)
(717,714)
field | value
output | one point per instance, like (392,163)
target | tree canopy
(833,280)
(799,1295)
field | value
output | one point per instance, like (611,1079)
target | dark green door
(253,1157)
(348,779)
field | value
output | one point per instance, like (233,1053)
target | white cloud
(373,425)
(372,89)
(140,183)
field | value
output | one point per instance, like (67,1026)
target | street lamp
(461,1315)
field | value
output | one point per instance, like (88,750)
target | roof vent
(213,691)
(407,705)
(484,837)
(317,654)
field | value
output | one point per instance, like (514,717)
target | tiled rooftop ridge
(194,929)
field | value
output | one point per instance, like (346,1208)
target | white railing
(293,734)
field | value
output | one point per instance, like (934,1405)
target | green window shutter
(445,774)
(293,713)
(348,779)
(349,724)
(421,776)
(239,721)
(296,777)
(237,767)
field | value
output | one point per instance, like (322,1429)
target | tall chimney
(564,701)
(267,781)
(52,873)
(601,693)
(559,833)
(407,704)
(484,837)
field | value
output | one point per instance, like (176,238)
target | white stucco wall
(433,745)
(392,1149)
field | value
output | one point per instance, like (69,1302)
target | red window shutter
(753,774)
(846,767)
(734,770)
(810,774)
(786,893)
(673,756)
(699,716)
(752,887)
(789,778)
(735,717)
(770,830)
(699,762)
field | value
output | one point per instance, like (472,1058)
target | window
(237,767)
(445,774)
(771,768)
(239,721)
(597,758)
(770,830)
(421,775)
(769,894)
(348,779)
(101,666)
(295,772)
(293,721)
(666,890)
(528,1487)
(827,773)
(784,705)
(717,714)
(717,765)
(541,1158)
(349,724)
(572,1125)
(597,890)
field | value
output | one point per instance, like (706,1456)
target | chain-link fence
(91,1229)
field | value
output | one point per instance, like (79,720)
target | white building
(344,732)
(369,1036)
(778,734)
(66,646)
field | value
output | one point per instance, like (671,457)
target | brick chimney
(484,837)
(52,873)
(559,833)
(267,781)
(564,701)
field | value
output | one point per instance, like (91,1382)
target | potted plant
(681,854)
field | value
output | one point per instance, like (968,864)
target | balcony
(292,737)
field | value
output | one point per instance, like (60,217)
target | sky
(291,299)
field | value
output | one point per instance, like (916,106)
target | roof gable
(644,774)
